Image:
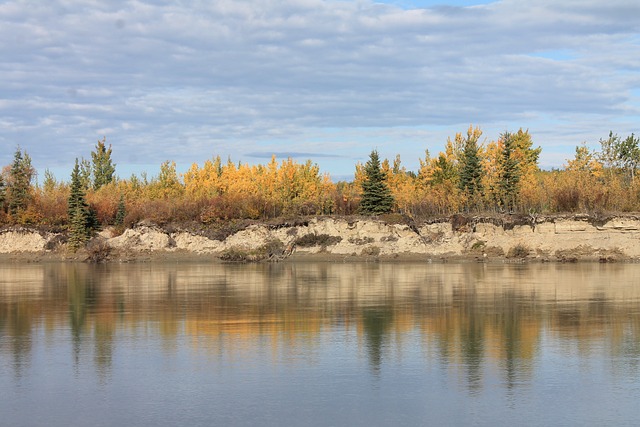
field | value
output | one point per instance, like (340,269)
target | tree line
(469,175)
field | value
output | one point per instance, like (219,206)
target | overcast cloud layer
(320,80)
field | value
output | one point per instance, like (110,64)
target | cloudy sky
(312,79)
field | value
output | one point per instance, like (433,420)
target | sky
(320,80)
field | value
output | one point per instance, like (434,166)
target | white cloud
(226,77)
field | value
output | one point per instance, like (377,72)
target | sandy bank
(566,238)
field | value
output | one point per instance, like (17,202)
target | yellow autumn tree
(437,180)
(491,178)
(203,182)
(583,185)
(167,184)
(403,186)
(527,159)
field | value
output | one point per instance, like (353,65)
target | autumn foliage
(470,175)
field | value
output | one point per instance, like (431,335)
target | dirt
(558,238)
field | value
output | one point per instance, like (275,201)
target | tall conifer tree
(509,173)
(78,211)
(471,171)
(376,195)
(103,167)
(20,175)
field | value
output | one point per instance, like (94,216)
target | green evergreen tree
(20,177)
(509,173)
(103,167)
(78,228)
(76,194)
(376,195)
(85,174)
(121,213)
(81,220)
(471,173)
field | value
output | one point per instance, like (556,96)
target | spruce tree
(78,228)
(509,173)
(471,171)
(103,168)
(78,211)
(85,174)
(20,177)
(376,195)
(121,213)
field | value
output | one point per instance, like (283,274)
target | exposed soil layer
(504,238)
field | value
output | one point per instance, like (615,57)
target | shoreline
(187,257)
(498,239)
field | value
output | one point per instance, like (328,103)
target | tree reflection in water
(376,322)
(475,317)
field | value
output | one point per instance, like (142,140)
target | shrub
(361,240)
(105,205)
(235,254)
(313,239)
(478,245)
(567,199)
(29,216)
(52,206)
(98,250)
(495,251)
(518,251)
(459,223)
(371,251)
(56,242)
(272,249)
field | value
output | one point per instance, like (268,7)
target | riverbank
(498,238)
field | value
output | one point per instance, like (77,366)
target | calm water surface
(319,344)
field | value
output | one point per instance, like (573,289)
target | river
(319,344)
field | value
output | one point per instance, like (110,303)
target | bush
(313,239)
(361,240)
(567,199)
(493,251)
(518,251)
(56,242)
(371,251)
(98,250)
(235,254)
(273,249)
(478,246)
(29,216)
(105,205)
(459,223)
